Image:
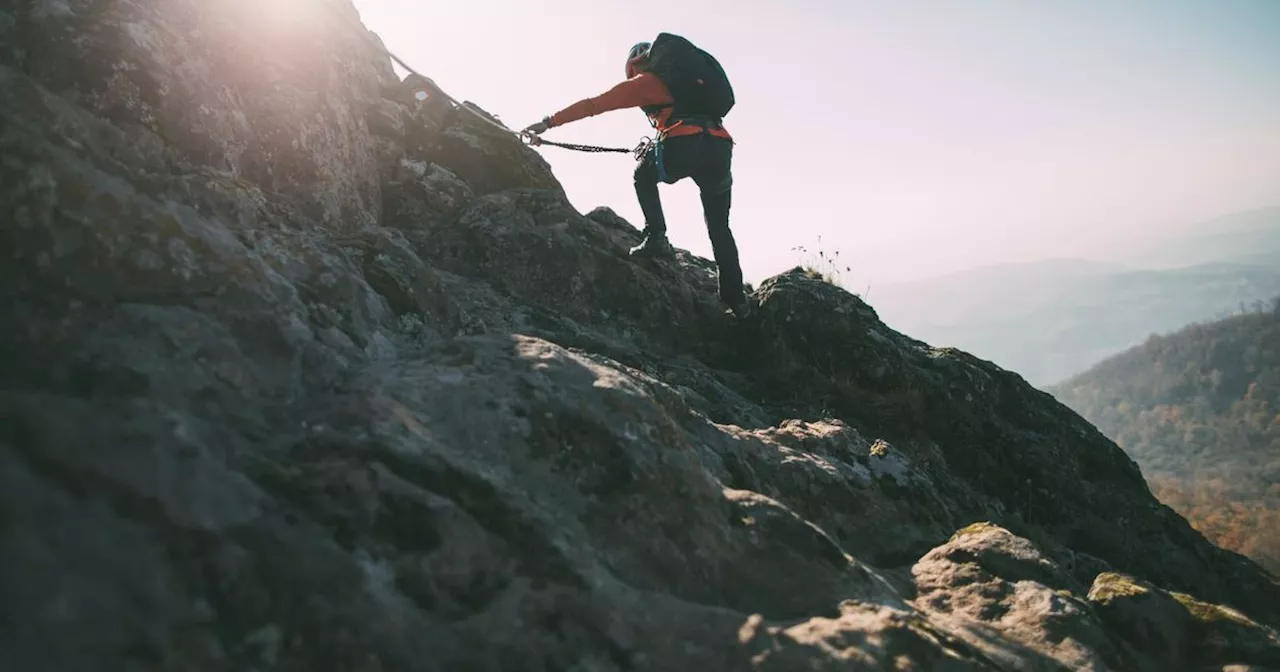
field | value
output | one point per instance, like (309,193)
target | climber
(684,93)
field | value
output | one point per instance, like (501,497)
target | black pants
(707,160)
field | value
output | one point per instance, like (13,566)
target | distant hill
(1199,411)
(1251,237)
(997,291)
(1050,320)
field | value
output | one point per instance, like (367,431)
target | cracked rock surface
(297,374)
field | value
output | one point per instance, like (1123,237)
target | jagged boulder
(301,374)
(459,148)
(986,579)
(861,637)
(991,446)
(990,600)
(1179,632)
(851,486)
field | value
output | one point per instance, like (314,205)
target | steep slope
(1199,410)
(1049,321)
(305,376)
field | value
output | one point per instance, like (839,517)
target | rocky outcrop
(1176,630)
(299,374)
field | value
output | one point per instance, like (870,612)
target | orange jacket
(642,90)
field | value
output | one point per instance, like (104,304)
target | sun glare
(288,22)
(287,12)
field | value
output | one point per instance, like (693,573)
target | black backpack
(697,83)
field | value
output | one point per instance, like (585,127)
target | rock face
(300,375)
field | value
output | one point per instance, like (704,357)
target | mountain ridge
(1015,314)
(309,376)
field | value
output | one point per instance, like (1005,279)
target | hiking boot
(742,308)
(654,245)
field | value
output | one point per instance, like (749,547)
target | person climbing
(685,94)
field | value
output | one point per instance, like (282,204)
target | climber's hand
(538,128)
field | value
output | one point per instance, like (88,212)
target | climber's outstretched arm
(643,89)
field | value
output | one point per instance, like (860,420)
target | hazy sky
(916,137)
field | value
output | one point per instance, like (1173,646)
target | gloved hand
(539,128)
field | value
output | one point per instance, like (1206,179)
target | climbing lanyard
(524,136)
(535,141)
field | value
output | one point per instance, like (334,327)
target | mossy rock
(1144,615)
(975,528)
(1206,613)
(1173,628)
(1109,586)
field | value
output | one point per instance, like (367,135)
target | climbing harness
(529,138)
(659,163)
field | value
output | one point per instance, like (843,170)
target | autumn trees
(1199,410)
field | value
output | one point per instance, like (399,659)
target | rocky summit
(300,373)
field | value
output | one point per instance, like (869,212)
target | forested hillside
(1199,410)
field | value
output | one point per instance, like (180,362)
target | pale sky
(916,137)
